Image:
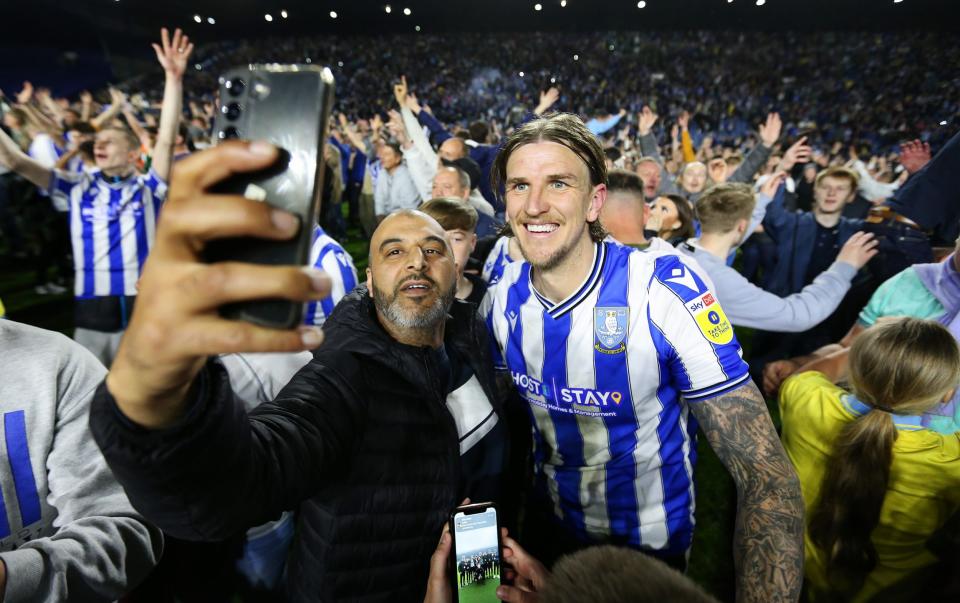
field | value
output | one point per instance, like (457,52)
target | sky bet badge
(710,318)
(610,330)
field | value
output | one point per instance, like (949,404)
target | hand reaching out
(547,100)
(717,169)
(117,98)
(528,575)
(400,91)
(798,152)
(86,98)
(770,187)
(413,104)
(173,54)
(25,94)
(914,155)
(645,120)
(858,249)
(770,130)
(684,120)
(775,373)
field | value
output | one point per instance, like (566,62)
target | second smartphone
(476,553)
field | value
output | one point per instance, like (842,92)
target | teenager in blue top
(113,210)
(619,355)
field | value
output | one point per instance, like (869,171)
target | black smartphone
(289,106)
(476,553)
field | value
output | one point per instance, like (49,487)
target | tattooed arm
(768,541)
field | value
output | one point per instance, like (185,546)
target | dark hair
(83,127)
(906,367)
(562,128)
(685,215)
(612,153)
(622,181)
(395,146)
(451,213)
(608,574)
(479,131)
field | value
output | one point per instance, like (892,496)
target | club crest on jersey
(610,330)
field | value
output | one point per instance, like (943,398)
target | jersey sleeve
(156,184)
(693,337)
(63,182)
(339,266)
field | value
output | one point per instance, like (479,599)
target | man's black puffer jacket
(360,440)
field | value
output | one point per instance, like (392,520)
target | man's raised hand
(770,130)
(645,120)
(173,54)
(798,152)
(26,93)
(175,325)
(400,91)
(547,99)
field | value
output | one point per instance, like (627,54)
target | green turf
(480,593)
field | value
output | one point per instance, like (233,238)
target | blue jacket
(795,234)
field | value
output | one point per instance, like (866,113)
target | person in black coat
(393,422)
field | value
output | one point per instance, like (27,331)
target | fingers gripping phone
(476,553)
(289,106)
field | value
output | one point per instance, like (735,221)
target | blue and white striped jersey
(327,255)
(498,259)
(112,227)
(609,375)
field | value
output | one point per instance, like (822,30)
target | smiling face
(832,194)
(694,177)
(112,150)
(412,276)
(550,201)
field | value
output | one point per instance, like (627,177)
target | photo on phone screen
(476,550)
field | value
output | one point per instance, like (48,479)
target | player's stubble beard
(558,257)
(420,318)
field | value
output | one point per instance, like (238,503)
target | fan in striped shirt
(328,255)
(112,210)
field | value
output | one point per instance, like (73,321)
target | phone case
(289,106)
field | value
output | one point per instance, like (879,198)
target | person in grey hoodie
(725,213)
(67,530)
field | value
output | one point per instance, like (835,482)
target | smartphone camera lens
(235,86)
(232,111)
(229,132)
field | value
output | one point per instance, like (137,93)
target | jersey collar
(115,180)
(901,422)
(586,287)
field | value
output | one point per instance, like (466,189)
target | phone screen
(477,555)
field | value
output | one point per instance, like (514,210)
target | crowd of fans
(589,199)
